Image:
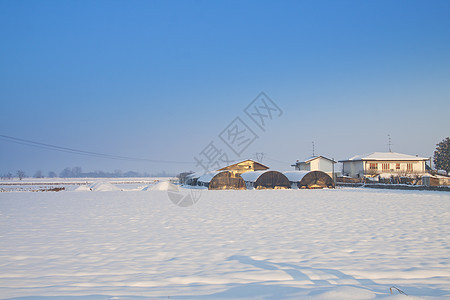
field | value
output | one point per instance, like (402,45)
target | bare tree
(20,174)
(76,171)
(7,176)
(67,172)
(38,174)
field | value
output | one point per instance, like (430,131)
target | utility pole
(332,172)
(259,156)
(313,149)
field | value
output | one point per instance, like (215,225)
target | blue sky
(161,79)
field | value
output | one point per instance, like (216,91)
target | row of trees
(77,172)
(19,174)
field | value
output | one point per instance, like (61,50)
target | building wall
(430,181)
(357,169)
(303,167)
(353,169)
(395,167)
(319,164)
(314,165)
(325,166)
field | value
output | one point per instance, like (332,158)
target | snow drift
(103,186)
(161,186)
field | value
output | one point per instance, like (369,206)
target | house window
(385,167)
(373,166)
(409,167)
(397,166)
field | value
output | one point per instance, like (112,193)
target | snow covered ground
(302,244)
(69,184)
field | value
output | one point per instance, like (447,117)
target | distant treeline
(76,172)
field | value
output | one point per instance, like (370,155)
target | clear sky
(161,79)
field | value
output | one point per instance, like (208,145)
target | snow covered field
(303,244)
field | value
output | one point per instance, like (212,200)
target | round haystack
(266,180)
(221,180)
(161,186)
(310,179)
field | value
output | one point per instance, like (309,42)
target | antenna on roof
(313,148)
(389,142)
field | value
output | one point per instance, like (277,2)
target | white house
(383,163)
(316,163)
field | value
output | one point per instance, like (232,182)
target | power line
(279,161)
(259,156)
(83,152)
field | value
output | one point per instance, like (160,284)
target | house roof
(227,167)
(384,156)
(311,159)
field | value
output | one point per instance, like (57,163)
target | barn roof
(252,176)
(295,176)
(207,177)
(255,162)
(384,156)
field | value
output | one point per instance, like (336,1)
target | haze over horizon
(160,80)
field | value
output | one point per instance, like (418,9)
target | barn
(245,166)
(221,180)
(309,179)
(265,180)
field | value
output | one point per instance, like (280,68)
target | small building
(183,177)
(192,178)
(309,179)
(245,166)
(265,180)
(383,164)
(221,180)
(316,163)
(436,180)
